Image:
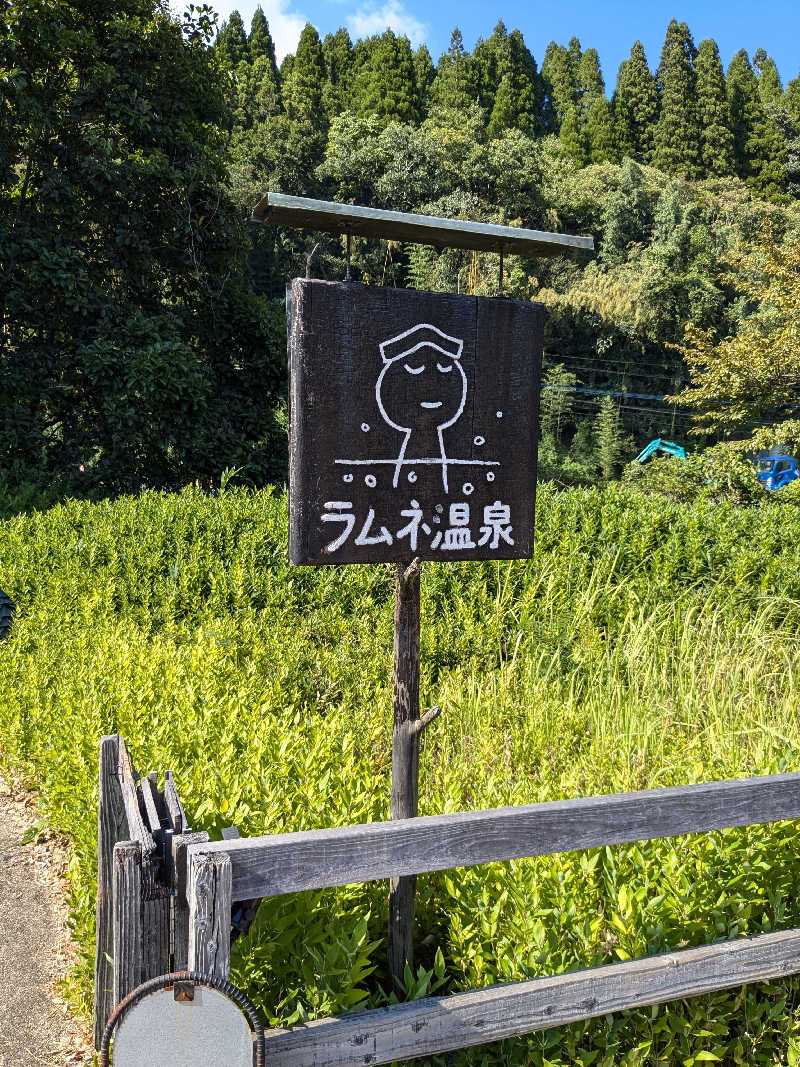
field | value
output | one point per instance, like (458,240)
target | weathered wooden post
(413,436)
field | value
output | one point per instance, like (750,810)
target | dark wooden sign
(413,424)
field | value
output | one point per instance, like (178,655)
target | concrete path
(35,1026)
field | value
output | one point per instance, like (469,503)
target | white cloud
(373,18)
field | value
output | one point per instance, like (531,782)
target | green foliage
(715,475)
(648,643)
(130,350)
(749,376)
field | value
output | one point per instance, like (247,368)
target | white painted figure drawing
(421,392)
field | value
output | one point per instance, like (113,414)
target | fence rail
(441,1024)
(317,859)
(166,896)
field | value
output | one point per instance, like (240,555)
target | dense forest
(142,322)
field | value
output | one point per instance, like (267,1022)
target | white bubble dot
(371,480)
(490,476)
(347,478)
(499,414)
(412,476)
(479,440)
(440,508)
(467,488)
(365,427)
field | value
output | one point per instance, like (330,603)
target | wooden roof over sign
(301,213)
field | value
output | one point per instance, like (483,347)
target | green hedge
(648,643)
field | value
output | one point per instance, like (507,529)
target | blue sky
(610,26)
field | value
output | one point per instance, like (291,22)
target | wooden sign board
(413,424)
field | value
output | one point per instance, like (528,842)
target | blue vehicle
(658,446)
(777,471)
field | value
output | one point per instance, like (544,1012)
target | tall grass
(647,644)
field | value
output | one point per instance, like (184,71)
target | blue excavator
(659,447)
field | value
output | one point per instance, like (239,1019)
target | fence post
(210,898)
(405,759)
(111,826)
(127,918)
(180,888)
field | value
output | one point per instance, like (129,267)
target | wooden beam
(441,1024)
(302,213)
(180,824)
(285,863)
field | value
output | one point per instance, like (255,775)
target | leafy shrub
(717,474)
(648,643)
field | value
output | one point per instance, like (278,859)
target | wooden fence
(165,898)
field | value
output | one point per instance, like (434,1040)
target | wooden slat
(302,213)
(180,824)
(137,830)
(440,1024)
(285,863)
(210,913)
(111,827)
(150,806)
(127,918)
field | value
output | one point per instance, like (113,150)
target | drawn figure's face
(424,390)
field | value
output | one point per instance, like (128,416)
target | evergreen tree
(505,59)
(677,134)
(385,81)
(424,73)
(560,77)
(600,131)
(260,42)
(556,402)
(231,44)
(608,437)
(759,146)
(303,99)
(590,78)
(337,49)
(454,84)
(635,107)
(791,98)
(485,64)
(716,138)
(263,93)
(770,88)
(573,135)
(626,219)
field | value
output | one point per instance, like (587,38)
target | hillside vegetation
(646,644)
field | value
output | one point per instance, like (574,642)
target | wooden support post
(405,759)
(210,885)
(179,880)
(127,896)
(111,826)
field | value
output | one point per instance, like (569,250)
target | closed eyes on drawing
(444,370)
(414,370)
